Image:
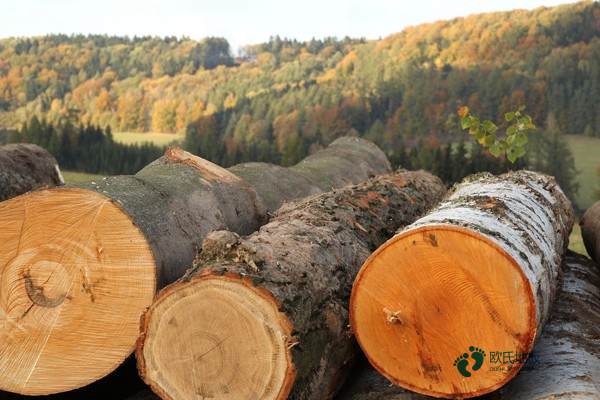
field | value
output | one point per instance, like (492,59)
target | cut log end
(241,352)
(445,299)
(70,293)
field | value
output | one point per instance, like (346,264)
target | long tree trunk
(78,265)
(590,231)
(475,276)
(265,316)
(335,166)
(25,167)
(565,363)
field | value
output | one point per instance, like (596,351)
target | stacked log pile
(80,264)
(265,316)
(451,306)
(25,167)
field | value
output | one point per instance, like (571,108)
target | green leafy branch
(512,144)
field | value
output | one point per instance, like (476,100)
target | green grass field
(586,151)
(576,242)
(159,139)
(72,177)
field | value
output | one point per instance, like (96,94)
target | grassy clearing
(72,177)
(157,138)
(576,242)
(586,151)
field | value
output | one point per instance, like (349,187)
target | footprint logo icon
(478,356)
(462,362)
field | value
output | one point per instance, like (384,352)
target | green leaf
(488,140)
(465,123)
(496,149)
(509,116)
(511,155)
(511,130)
(520,139)
(520,151)
(479,134)
(489,126)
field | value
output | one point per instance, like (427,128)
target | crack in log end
(37,296)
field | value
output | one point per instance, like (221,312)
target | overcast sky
(241,22)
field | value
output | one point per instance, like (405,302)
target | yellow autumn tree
(164,116)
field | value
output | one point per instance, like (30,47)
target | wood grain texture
(25,167)
(277,298)
(59,256)
(477,275)
(565,363)
(61,285)
(590,231)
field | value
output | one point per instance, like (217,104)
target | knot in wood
(392,317)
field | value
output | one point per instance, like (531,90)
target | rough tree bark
(476,275)
(265,316)
(565,363)
(25,167)
(78,265)
(590,231)
(335,166)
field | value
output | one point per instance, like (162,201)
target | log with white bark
(25,167)
(565,363)
(265,316)
(476,275)
(78,265)
(590,231)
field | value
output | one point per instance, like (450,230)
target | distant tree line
(86,148)
(458,157)
(92,149)
(402,87)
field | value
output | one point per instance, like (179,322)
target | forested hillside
(282,97)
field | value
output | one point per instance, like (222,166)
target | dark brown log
(565,363)
(80,264)
(265,316)
(478,274)
(25,167)
(590,231)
